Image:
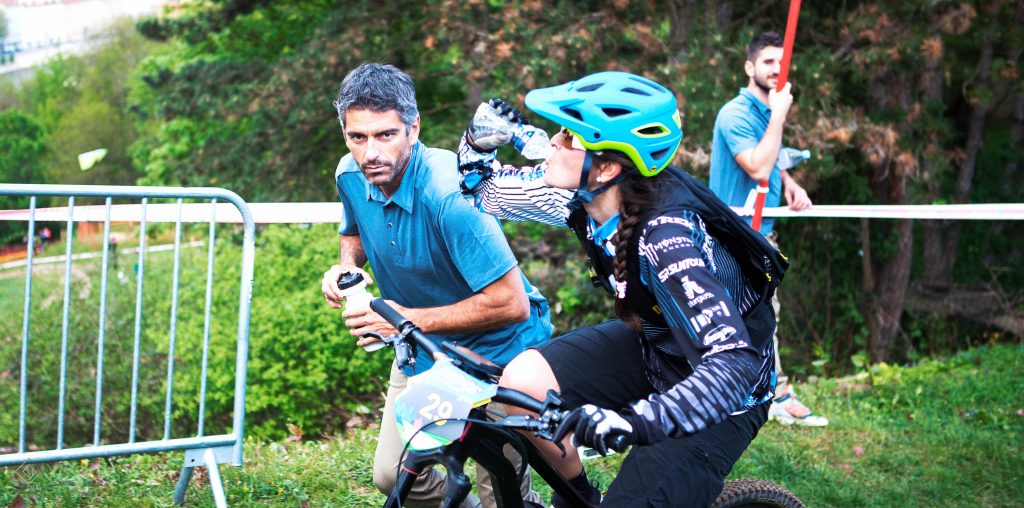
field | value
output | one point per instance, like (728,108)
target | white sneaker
(787,410)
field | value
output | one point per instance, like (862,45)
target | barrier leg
(208,457)
(215,483)
(179,491)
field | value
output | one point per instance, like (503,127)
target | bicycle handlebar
(549,409)
(620,443)
(550,412)
(404,326)
(518,399)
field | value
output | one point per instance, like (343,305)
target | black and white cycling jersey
(702,361)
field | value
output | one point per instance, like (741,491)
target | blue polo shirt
(740,125)
(429,246)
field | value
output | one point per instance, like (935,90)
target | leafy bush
(303,366)
(44,356)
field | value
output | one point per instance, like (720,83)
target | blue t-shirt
(429,246)
(740,125)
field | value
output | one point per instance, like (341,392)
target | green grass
(942,433)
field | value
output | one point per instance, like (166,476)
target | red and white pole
(787,54)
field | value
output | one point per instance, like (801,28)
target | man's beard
(763,84)
(397,168)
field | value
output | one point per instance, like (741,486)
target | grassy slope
(938,434)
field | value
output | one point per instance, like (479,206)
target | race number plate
(434,401)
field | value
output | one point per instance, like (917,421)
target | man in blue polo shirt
(441,263)
(745,148)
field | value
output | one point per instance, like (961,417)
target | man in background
(745,150)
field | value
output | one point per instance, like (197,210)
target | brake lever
(375,335)
(551,416)
(522,422)
(405,350)
(405,353)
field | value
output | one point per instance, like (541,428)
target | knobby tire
(754,493)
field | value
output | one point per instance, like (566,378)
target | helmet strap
(583,195)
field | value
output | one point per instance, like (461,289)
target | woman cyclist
(686,370)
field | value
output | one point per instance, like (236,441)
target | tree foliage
(22,145)
(83,103)
(894,101)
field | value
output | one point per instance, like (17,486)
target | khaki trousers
(428,490)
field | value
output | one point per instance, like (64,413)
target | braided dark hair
(636,192)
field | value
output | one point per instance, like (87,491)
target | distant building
(34,24)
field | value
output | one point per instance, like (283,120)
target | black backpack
(763,265)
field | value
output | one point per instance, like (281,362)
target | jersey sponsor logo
(718,334)
(668,244)
(671,220)
(709,249)
(692,288)
(724,347)
(700,299)
(652,251)
(679,266)
(704,318)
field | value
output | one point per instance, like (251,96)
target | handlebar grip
(404,325)
(387,312)
(620,443)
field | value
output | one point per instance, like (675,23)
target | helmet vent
(649,83)
(659,154)
(653,130)
(636,91)
(614,112)
(590,88)
(573,113)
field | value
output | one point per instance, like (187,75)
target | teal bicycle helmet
(616,111)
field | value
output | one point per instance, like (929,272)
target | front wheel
(754,493)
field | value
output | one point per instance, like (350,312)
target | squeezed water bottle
(790,157)
(532,142)
(490,129)
(353,288)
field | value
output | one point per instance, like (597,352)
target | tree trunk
(889,185)
(868,277)
(975,127)
(962,193)
(891,290)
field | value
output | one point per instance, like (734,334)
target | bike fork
(457,487)
(410,470)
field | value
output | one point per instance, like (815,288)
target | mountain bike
(442,418)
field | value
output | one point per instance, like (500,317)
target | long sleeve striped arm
(678,264)
(510,192)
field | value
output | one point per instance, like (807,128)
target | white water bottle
(790,157)
(353,288)
(536,145)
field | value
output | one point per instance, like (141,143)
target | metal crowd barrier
(200,449)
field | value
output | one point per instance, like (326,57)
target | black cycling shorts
(600,365)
